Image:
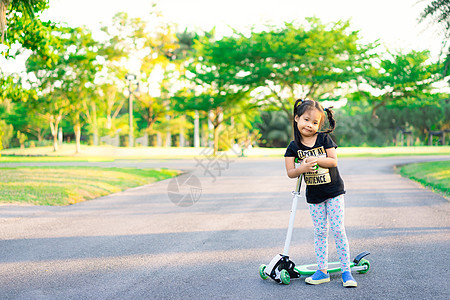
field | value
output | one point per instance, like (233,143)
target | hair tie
(296,102)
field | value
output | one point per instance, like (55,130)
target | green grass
(69,185)
(392,151)
(20,159)
(435,175)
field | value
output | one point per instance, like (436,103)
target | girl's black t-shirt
(323,183)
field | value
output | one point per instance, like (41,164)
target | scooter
(282,269)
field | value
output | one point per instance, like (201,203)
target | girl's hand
(310,159)
(310,164)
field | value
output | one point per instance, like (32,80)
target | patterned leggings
(332,209)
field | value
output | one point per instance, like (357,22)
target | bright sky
(394,22)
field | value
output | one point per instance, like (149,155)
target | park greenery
(434,175)
(201,89)
(69,185)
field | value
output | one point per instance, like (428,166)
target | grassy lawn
(435,175)
(69,185)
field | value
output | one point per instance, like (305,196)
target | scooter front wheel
(285,277)
(262,274)
(366,263)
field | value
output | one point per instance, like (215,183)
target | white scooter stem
(296,194)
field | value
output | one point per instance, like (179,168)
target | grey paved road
(139,245)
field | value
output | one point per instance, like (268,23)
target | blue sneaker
(318,278)
(348,280)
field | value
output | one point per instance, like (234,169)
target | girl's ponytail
(297,103)
(297,135)
(331,121)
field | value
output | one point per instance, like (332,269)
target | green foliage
(6,133)
(26,28)
(65,84)
(222,92)
(217,75)
(27,119)
(275,129)
(21,137)
(357,127)
(79,82)
(11,88)
(313,61)
(402,79)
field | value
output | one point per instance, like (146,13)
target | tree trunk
(196,130)
(158,139)
(94,125)
(39,135)
(216,123)
(60,136)
(3,7)
(54,123)
(108,121)
(216,139)
(181,135)
(377,106)
(168,134)
(210,130)
(77,130)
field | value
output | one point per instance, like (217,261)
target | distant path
(138,244)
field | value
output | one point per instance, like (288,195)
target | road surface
(206,239)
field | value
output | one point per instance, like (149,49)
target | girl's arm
(330,161)
(305,166)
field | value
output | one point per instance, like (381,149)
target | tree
(15,10)
(28,119)
(81,66)
(439,13)
(160,73)
(152,48)
(220,88)
(66,84)
(275,128)
(356,127)
(20,23)
(25,28)
(11,88)
(314,61)
(400,80)
(115,50)
(184,56)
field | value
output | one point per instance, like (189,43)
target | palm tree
(439,13)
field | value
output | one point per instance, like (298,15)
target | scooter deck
(311,269)
(336,266)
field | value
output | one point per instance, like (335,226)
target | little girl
(325,189)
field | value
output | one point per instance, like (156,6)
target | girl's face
(308,123)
